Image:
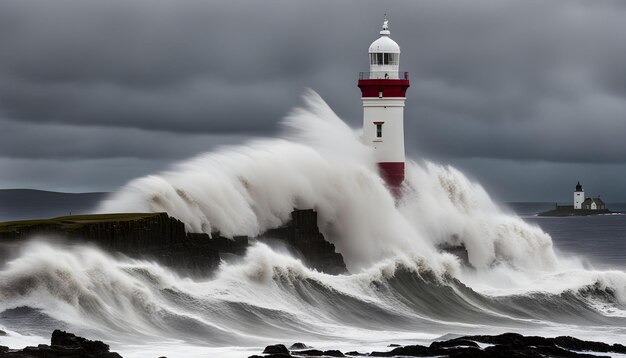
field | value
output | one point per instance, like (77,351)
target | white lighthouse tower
(579,196)
(383,91)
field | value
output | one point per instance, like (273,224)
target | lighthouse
(579,196)
(383,92)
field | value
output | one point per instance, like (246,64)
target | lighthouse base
(393,174)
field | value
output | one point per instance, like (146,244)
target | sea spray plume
(321,164)
(248,189)
(449,209)
(319,127)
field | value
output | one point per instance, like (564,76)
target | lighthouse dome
(384,56)
(384,44)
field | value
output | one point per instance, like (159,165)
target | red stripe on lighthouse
(392,173)
(388,88)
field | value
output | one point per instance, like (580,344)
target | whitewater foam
(321,164)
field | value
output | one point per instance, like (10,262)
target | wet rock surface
(302,236)
(500,346)
(63,345)
(276,349)
(299,345)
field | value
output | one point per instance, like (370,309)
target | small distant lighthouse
(579,196)
(383,91)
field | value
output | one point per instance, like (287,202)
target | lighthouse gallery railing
(367,75)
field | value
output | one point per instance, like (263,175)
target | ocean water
(599,240)
(528,275)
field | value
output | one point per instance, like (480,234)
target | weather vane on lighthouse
(383,92)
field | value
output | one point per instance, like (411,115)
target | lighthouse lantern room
(383,92)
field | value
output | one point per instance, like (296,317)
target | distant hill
(22,204)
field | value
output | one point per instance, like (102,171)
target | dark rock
(579,345)
(472,352)
(276,349)
(411,351)
(65,345)
(64,339)
(298,346)
(319,353)
(453,343)
(457,250)
(159,237)
(507,350)
(2,333)
(306,241)
(562,342)
(43,350)
(393,345)
(4,349)
(504,345)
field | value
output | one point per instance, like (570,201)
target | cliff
(159,237)
(304,239)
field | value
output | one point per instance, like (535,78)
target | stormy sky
(526,97)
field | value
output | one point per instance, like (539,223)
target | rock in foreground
(63,345)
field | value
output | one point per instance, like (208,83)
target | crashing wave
(400,281)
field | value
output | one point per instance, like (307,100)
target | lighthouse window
(390,59)
(383,59)
(376,58)
(379,130)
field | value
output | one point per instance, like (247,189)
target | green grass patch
(74,221)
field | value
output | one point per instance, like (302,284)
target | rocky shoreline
(68,345)
(500,346)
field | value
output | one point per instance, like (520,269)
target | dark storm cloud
(46,141)
(207,107)
(522,80)
(544,181)
(152,64)
(527,81)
